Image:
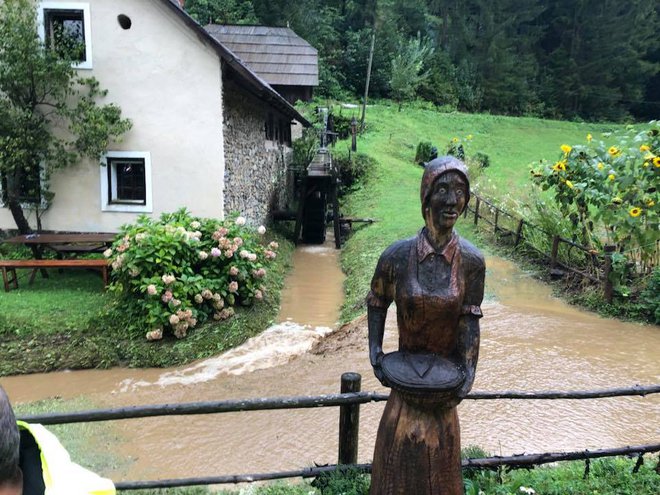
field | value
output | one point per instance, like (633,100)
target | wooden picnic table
(67,243)
(61,244)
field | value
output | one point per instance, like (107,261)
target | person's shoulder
(398,249)
(471,254)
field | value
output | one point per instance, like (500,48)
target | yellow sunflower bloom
(650,203)
(559,166)
(454,140)
(656,161)
(644,147)
(589,137)
(635,212)
(614,151)
(611,177)
(566,149)
(601,166)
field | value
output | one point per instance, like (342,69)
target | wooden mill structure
(318,200)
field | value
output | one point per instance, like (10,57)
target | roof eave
(259,87)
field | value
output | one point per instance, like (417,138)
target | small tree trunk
(19,216)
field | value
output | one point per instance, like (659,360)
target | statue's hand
(376,363)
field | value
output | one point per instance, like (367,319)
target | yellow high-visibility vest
(61,475)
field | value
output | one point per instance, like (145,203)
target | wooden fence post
(349,420)
(608,287)
(555,251)
(497,215)
(519,231)
(476,211)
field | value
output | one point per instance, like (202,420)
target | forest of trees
(574,59)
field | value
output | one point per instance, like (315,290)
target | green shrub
(424,152)
(180,270)
(353,168)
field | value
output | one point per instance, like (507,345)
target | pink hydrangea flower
(167,297)
(233,271)
(151,290)
(174,319)
(238,242)
(244,253)
(258,295)
(229,253)
(273,245)
(270,255)
(215,252)
(233,286)
(199,299)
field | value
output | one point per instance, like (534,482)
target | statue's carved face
(446,202)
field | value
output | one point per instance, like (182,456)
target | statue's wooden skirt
(418,450)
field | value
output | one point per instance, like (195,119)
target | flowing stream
(530,341)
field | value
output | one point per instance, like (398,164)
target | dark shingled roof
(278,55)
(254,83)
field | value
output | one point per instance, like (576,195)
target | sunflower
(644,147)
(589,137)
(566,149)
(601,166)
(635,212)
(650,202)
(656,161)
(559,166)
(614,151)
(611,177)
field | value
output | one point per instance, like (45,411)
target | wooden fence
(563,255)
(349,401)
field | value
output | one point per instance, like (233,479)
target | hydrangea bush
(178,271)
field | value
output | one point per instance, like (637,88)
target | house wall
(168,83)
(256,173)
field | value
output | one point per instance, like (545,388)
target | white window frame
(87,21)
(106,204)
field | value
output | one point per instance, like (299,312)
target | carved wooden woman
(436,280)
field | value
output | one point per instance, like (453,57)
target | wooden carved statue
(436,280)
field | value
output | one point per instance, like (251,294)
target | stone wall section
(256,169)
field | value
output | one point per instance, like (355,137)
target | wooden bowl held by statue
(423,377)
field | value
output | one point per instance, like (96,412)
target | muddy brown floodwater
(530,341)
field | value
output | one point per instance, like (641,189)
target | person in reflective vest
(34,462)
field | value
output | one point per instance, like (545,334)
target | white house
(208,133)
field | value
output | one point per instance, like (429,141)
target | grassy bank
(391,194)
(67,322)
(606,477)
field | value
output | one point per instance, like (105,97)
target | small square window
(65,32)
(126,181)
(65,28)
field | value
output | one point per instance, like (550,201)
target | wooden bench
(9,268)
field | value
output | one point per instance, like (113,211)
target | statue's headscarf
(434,169)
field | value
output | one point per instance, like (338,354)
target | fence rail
(349,402)
(304,402)
(596,266)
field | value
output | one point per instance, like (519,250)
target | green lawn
(391,195)
(67,322)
